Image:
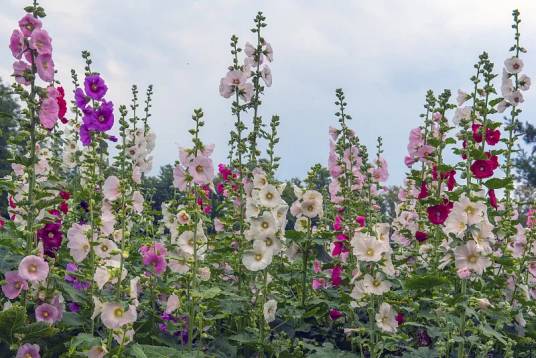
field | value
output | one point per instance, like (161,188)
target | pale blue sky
(384,54)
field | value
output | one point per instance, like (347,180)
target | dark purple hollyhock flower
(423,339)
(84,205)
(95,87)
(85,135)
(112,138)
(421,236)
(51,236)
(104,117)
(73,307)
(80,98)
(81,285)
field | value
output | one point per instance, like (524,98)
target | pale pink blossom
(33,268)
(111,188)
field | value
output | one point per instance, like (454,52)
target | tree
(9,112)
(160,187)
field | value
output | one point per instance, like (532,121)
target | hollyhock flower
(386,318)
(264,226)
(513,64)
(336,278)
(41,42)
(437,214)
(51,236)
(48,112)
(376,284)
(463,273)
(456,223)
(524,82)
(45,67)
(95,87)
(462,97)
(46,313)
(477,133)
(115,316)
(137,201)
(85,135)
(421,236)
(103,118)
(531,217)
(482,168)
(258,258)
(319,283)
(514,98)
(80,98)
(462,113)
(269,196)
(28,24)
(28,350)
(16,44)
(492,136)
(155,256)
(451,180)
(367,248)
(78,243)
(266,75)
(97,352)
(269,310)
(201,169)
(179,178)
(111,188)
(335,314)
(469,256)
(492,198)
(423,194)
(14,284)
(400,318)
(381,173)
(20,68)
(33,268)
(360,220)
(172,303)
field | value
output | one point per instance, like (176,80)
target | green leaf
(208,293)
(11,321)
(147,351)
(498,183)
(425,282)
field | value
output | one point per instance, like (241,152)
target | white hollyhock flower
(524,82)
(259,258)
(114,316)
(78,242)
(273,243)
(259,179)
(301,224)
(515,98)
(97,352)
(513,64)
(252,210)
(97,307)
(187,240)
(358,291)
(311,208)
(386,318)
(367,248)
(474,211)
(134,288)
(483,235)
(104,248)
(298,192)
(456,223)
(137,202)
(462,97)
(280,214)
(269,196)
(269,310)
(101,276)
(375,285)
(178,263)
(382,234)
(183,217)
(264,226)
(470,256)
(462,113)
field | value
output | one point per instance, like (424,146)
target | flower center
(45,314)
(370,252)
(101,118)
(18,285)
(191,242)
(104,248)
(118,312)
(269,242)
(376,283)
(258,257)
(94,87)
(516,66)
(199,169)
(28,355)
(265,225)
(472,259)
(50,235)
(269,196)
(32,268)
(236,81)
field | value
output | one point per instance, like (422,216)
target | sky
(385,54)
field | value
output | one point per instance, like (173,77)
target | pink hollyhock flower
(360,220)
(317,266)
(41,42)
(464,273)
(218,225)
(33,268)
(28,350)
(28,24)
(337,225)
(424,191)
(409,161)
(48,113)
(492,198)
(179,178)
(336,278)
(335,314)
(381,173)
(14,284)
(45,67)
(319,283)
(202,170)
(482,168)
(421,236)
(437,116)
(437,214)
(155,256)
(531,217)
(16,44)
(110,188)
(333,133)
(451,180)
(115,316)
(20,68)
(137,202)
(46,313)
(266,75)
(172,303)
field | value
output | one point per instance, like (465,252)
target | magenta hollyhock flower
(400,318)
(492,136)
(28,351)
(335,314)
(85,135)
(337,224)
(80,98)
(482,168)
(16,44)
(48,112)
(451,180)
(45,67)
(51,236)
(424,191)
(492,198)
(20,68)
(318,283)
(337,248)
(336,278)
(421,236)
(477,132)
(46,313)
(95,86)
(360,220)
(33,268)
(155,256)
(224,171)
(14,284)
(41,42)
(437,214)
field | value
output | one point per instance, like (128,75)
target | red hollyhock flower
(336,278)
(451,181)
(64,207)
(335,314)
(492,136)
(424,191)
(494,160)
(65,195)
(421,236)
(2,223)
(464,153)
(400,318)
(482,168)
(477,135)
(437,214)
(492,198)
(62,104)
